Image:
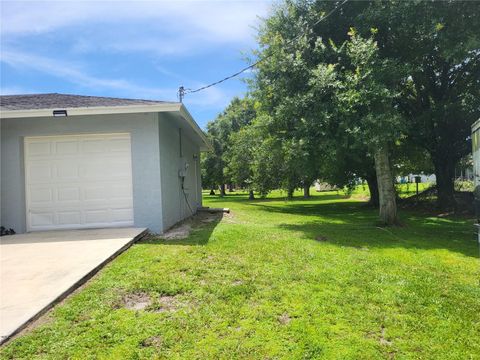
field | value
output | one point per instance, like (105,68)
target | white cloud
(212,21)
(162,29)
(76,74)
(14,90)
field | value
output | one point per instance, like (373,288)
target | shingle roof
(64,101)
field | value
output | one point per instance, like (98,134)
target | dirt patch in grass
(178,232)
(167,303)
(142,301)
(284,319)
(383,340)
(153,341)
(321,238)
(230,218)
(137,301)
(183,229)
(208,219)
(205,217)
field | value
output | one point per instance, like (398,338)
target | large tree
(437,44)
(319,93)
(367,99)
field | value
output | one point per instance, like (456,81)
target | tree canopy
(375,88)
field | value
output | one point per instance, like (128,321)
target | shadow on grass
(338,212)
(243,198)
(353,224)
(201,229)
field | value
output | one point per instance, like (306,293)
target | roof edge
(92,110)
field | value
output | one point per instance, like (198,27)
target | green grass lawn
(303,279)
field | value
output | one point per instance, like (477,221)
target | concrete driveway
(39,269)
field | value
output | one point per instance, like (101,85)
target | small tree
(237,115)
(241,156)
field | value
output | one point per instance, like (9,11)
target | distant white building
(476,153)
(476,168)
(323,186)
(424,178)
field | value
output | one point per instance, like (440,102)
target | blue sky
(129,49)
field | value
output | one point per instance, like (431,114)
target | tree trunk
(230,187)
(444,172)
(290,193)
(386,188)
(306,191)
(212,191)
(222,190)
(373,188)
(251,195)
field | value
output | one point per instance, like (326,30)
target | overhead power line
(182,91)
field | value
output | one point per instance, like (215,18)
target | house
(75,162)
(476,172)
(476,152)
(423,178)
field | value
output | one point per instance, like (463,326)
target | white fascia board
(96,110)
(186,115)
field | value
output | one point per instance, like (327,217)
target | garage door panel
(40,171)
(42,219)
(119,145)
(93,146)
(120,215)
(66,148)
(68,187)
(69,217)
(120,192)
(38,148)
(95,193)
(97,216)
(94,169)
(42,195)
(120,169)
(66,170)
(68,194)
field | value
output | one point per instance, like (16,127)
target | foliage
(426,68)
(324,95)
(435,44)
(441,95)
(464,185)
(237,115)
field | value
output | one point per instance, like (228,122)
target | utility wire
(183,91)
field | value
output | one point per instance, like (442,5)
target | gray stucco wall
(173,199)
(143,128)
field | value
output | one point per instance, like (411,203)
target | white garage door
(78,181)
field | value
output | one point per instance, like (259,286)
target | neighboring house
(74,162)
(476,157)
(424,178)
(476,171)
(323,186)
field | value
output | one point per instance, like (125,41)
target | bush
(464,185)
